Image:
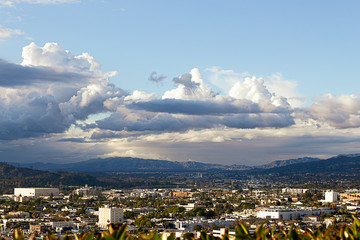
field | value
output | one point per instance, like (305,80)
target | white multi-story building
(36,192)
(62,224)
(289,213)
(272,213)
(294,190)
(109,215)
(331,196)
(191,206)
(188,225)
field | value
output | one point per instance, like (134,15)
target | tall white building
(331,196)
(36,192)
(294,190)
(109,215)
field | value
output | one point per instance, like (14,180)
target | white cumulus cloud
(285,88)
(140,96)
(254,89)
(193,105)
(244,85)
(337,111)
(53,55)
(191,86)
(50,91)
(8,33)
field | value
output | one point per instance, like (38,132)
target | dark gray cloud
(261,120)
(170,123)
(43,100)
(155,78)
(186,81)
(17,75)
(103,134)
(192,107)
(34,117)
(75,140)
(161,123)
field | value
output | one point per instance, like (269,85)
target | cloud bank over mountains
(54,94)
(52,89)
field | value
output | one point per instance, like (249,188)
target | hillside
(11,176)
(281,163)
(341,165)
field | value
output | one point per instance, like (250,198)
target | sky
(231,82)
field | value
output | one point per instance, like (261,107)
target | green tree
(197,228)
(129,215)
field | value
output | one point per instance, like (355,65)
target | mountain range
(94,171)
(346,165)
(128,164)
(282,163)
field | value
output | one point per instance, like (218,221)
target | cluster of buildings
(89,207)
(102,217)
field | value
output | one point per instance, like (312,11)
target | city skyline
(236,83)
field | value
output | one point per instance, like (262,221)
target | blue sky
(301,49)
(313,43)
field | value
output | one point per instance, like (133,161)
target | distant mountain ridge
(343,167)
(128,164)
(341,164)
(282,163)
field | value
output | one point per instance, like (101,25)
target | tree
(129,215)
(144,222)
(189,236)
(210,214)
(197,212)
(197,228)
(34,215)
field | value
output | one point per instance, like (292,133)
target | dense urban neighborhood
(179,211)
(182,200)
